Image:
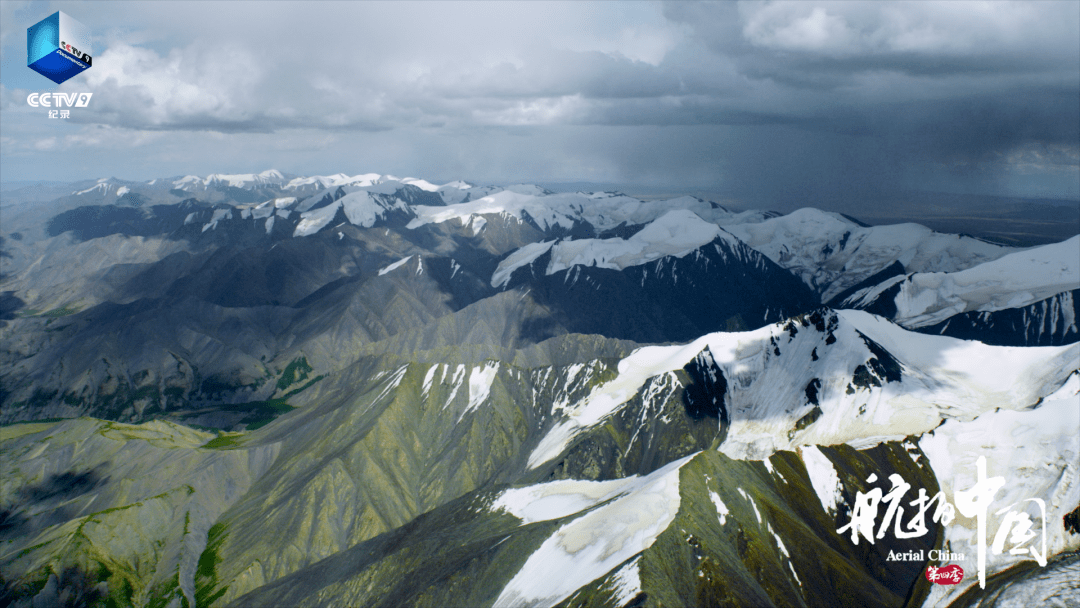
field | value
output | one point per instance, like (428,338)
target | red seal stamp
(946,575)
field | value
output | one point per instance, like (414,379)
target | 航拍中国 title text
(1015,529)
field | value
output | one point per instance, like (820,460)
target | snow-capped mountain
(1012,281)
(1037,283)
(1049,322)
(831,253)
(359,209)
(468,395)
(603,211)
(246,181)
(273,180)
(104,186)
(326,182)
(675,233)
(676,278)
(829,378)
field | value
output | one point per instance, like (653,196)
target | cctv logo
(74,54)
(59,100)
(58,47)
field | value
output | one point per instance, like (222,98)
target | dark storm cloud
(881,94)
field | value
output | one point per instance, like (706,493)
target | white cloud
(950,27)
(189,84)
(777,26)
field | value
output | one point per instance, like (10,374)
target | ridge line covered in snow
(238,180)
(831,253)
(937,378)
(1011,281)
(562,210)
(676,233)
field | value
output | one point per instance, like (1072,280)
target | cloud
(12,14)
(883,28)
(779,97)
(913,87)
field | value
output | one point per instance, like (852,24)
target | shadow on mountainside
(73,587)
(10,304)
(51,492)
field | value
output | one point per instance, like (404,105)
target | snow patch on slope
(363,210)
(480,381)
(522,256)
(219,215)
(102,187)
(627,582)
(721,508)
(823,477)
(556,499)
(395,265)
(589,547)
(314,221)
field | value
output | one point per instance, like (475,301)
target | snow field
(823,477)
(1012,281)
(595,543)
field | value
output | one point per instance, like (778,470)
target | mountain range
(275,390)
